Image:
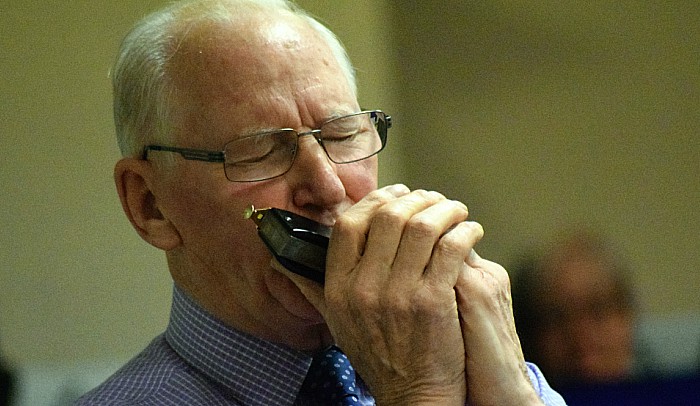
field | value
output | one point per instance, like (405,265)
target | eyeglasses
(267,155)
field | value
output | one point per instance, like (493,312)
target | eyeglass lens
(344,139)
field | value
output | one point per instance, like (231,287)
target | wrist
(525,395)
(439,397)
(422,401)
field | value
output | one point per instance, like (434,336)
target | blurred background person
(576,313)
(6,384)
(578,318)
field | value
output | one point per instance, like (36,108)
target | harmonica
(296,242)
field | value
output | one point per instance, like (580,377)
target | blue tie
(331,379)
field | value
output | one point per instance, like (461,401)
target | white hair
(141,86)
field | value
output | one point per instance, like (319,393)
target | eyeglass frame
(220,156)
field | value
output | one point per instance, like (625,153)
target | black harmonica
(296,242)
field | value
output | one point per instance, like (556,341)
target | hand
(496,370)
(393,262)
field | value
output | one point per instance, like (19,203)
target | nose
(313,177)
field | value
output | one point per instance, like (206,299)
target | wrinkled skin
(407,297)
(420,315)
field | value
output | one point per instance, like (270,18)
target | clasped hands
(422,318)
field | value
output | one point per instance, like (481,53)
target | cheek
(359,178)
(202,218)
(207,212)
(219,245)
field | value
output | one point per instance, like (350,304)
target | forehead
(251,68)
(244,44)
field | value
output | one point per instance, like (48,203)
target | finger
(451,252)
(486,267)
(422,235)
(492,348)
(351,229)
(387,231)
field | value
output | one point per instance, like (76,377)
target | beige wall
(76,282)
(535,117)
(556,114)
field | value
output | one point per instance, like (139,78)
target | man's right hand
(393,262)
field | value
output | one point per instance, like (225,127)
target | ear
(134,178)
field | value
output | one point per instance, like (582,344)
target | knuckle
(390,215)
(365,298)
(429,303)
(421,193)
(426,195)
(387,194)
(397,301)
(422,301)
(453,244)
(467,232)
(460,206)
(474,228)
(419,227)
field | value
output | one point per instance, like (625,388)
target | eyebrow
(259,130)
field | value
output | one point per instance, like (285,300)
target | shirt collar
(251,370)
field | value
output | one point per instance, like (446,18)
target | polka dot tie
(331,379)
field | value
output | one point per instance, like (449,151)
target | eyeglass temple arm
(190,154)
(388,121)
(387,118)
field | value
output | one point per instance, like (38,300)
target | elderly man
(220,105)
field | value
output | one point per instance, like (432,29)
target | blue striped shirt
(201,361)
